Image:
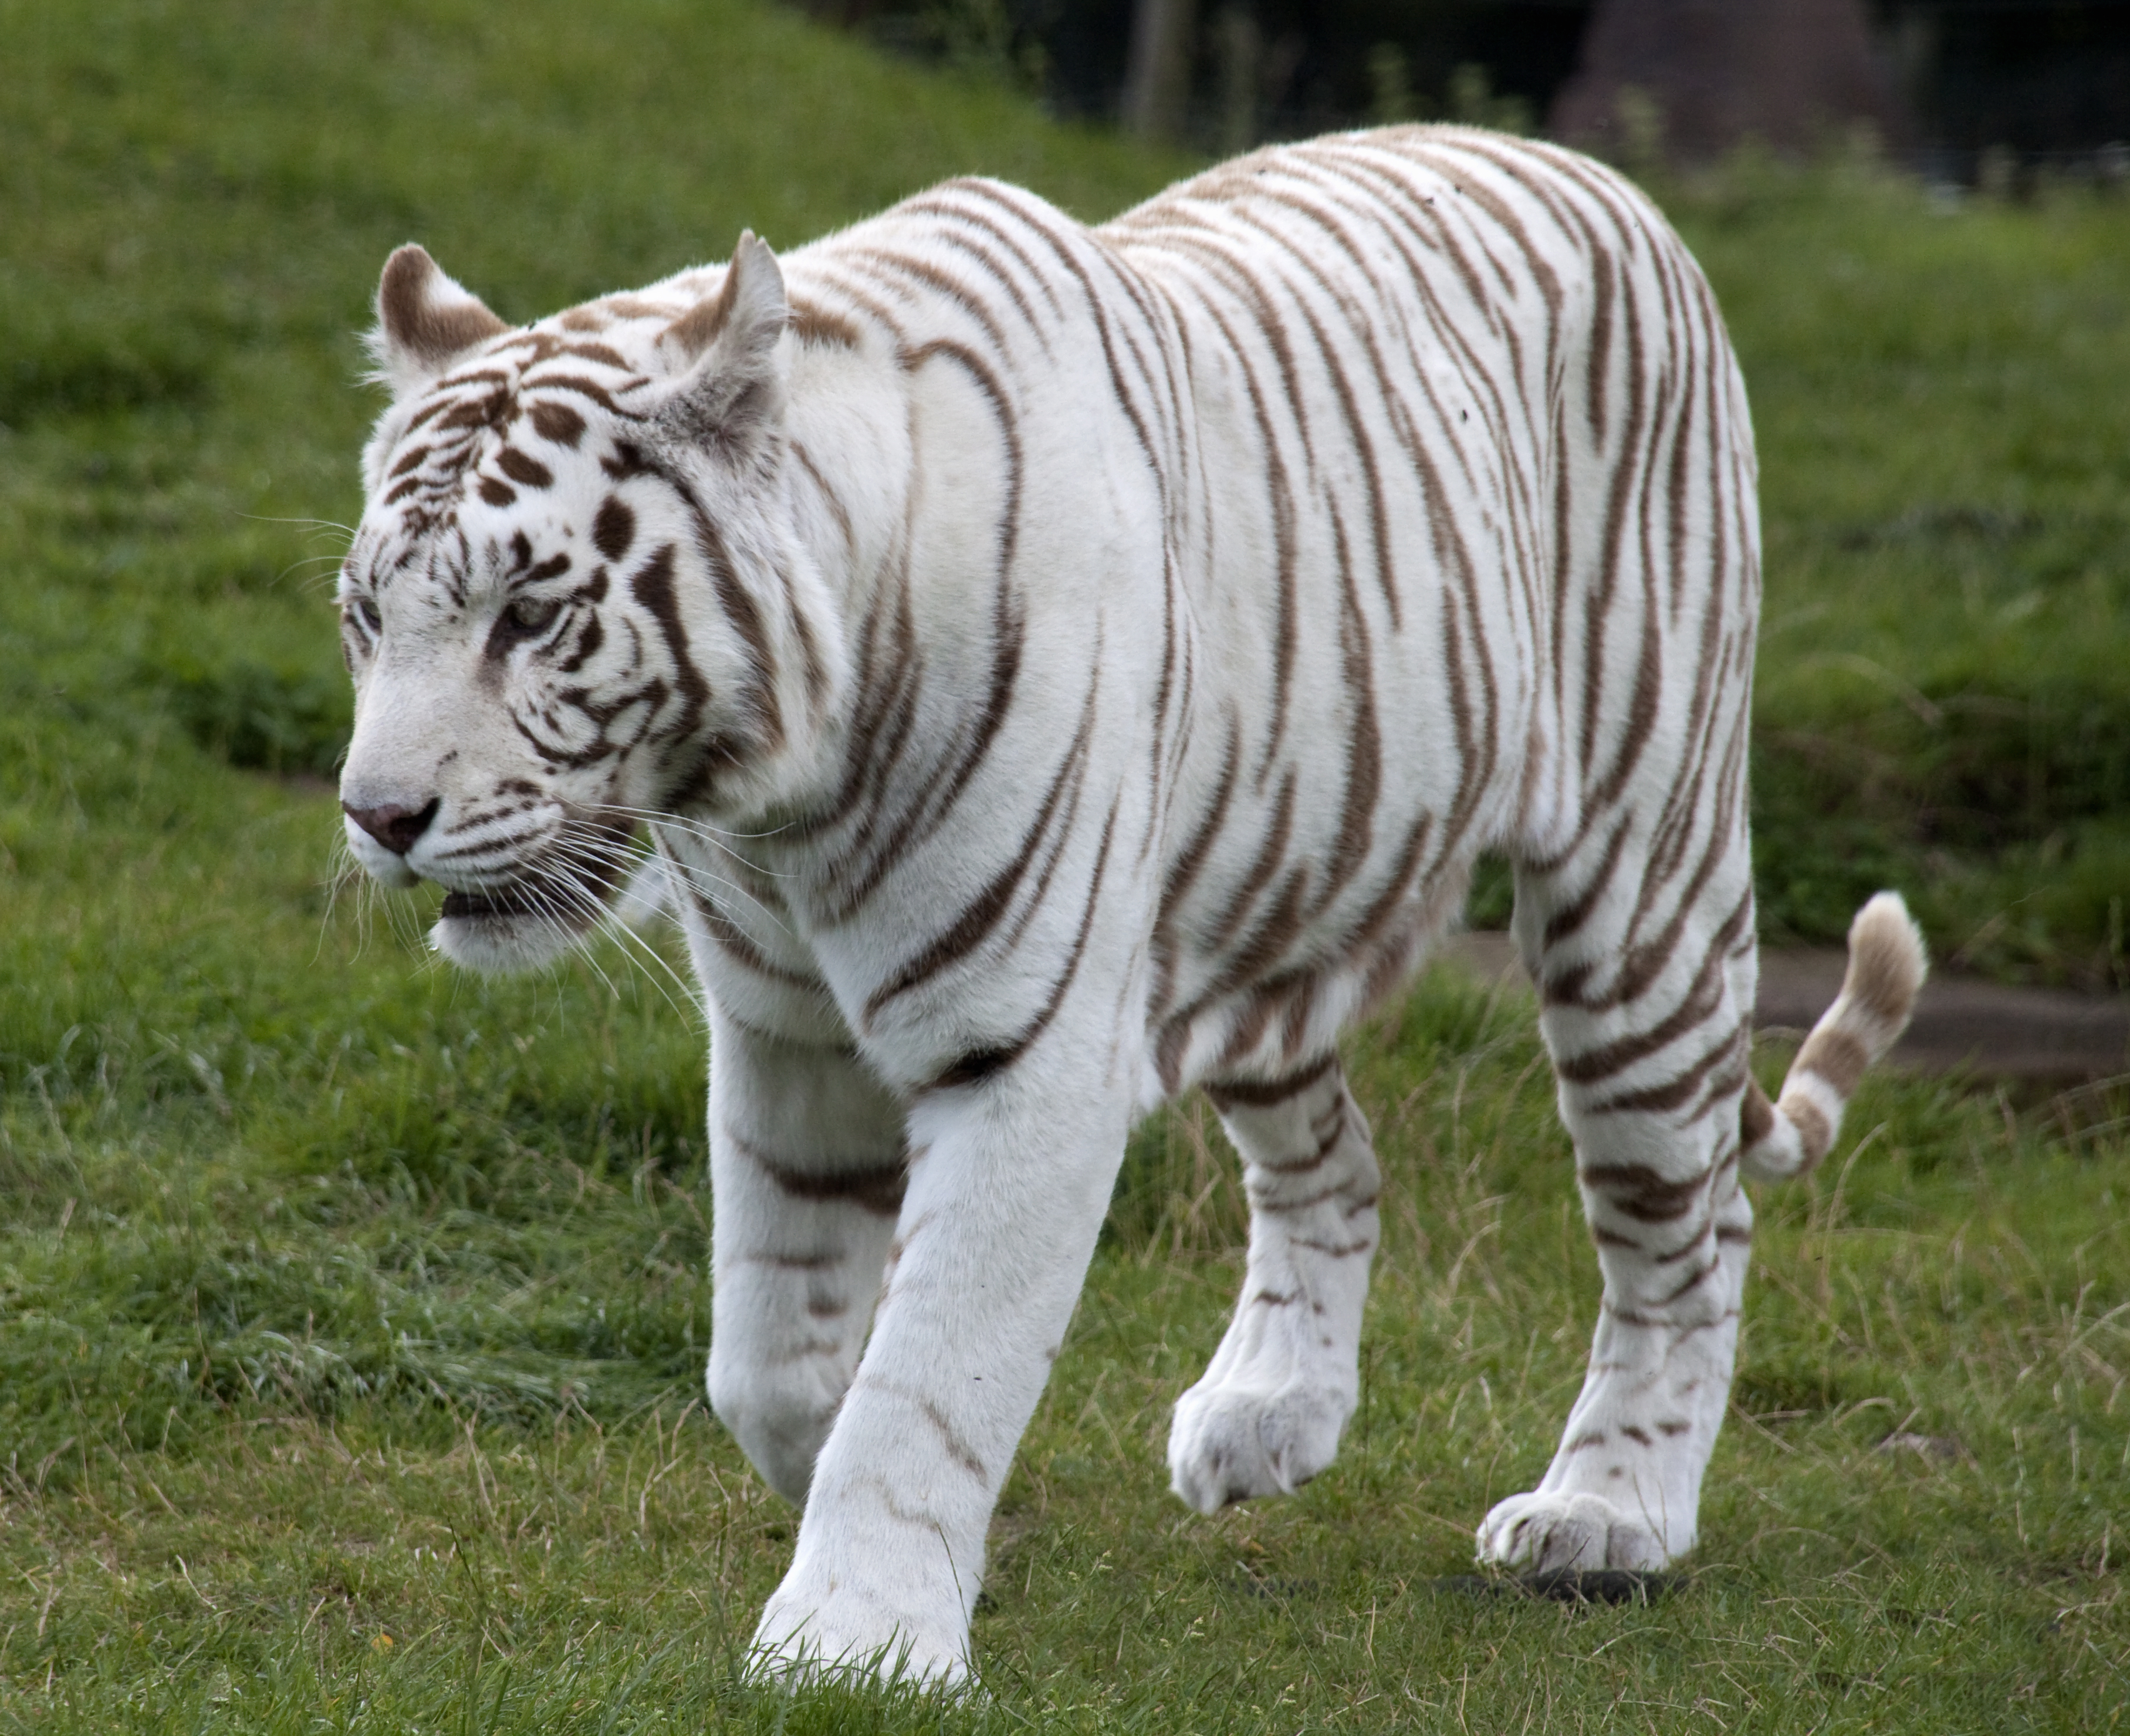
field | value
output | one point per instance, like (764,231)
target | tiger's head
(575,600)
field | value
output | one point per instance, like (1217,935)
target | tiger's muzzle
(534,911)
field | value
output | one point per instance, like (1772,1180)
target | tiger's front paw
(1580,1533)
(846,1633)
(1231,1444)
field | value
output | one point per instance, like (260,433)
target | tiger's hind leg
(1650,1057)
(1643,1008)
(1267,1414)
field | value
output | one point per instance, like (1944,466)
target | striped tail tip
(1887,965)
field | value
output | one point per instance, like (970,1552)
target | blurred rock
(1693,78)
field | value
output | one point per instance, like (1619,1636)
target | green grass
(352,1313)
(319,1444)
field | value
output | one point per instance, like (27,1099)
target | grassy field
(352,1314)
(1945,452)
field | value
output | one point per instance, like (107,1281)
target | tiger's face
(554,607)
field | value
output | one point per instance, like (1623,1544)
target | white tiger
(1060,666)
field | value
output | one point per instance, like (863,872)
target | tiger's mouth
(545,899)
(542,908)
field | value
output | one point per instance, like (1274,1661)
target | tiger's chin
(509,929)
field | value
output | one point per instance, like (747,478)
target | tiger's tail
(1887,965)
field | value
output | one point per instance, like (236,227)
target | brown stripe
(1679,1090)
(875,1187)
(984,911)
(698,329)
(1270,853)
(1365,759)
(1837,1056)
(1642,1193)
(652,585)
(1570,917)
(886,265)
(731,937)
(1692,1281)
(1703,999)
(837,509)
(1096,308)
(1264,1094)
(813,324)
(1814,1133)
(739,611)
(979,1065)
(1184,869)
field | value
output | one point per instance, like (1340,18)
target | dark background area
(2043,83)
(2045,78)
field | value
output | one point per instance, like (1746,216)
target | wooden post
(1158,77)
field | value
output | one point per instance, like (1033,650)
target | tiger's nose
(395,828)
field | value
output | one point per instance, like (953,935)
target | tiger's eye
(366,608)
(529,615)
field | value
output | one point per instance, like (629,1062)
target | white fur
(1061,666)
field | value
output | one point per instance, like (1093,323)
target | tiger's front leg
(806,1169)
(1269,1414)
(1008,1180)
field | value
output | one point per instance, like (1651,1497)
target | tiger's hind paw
(1235,1444)
(1549,1533)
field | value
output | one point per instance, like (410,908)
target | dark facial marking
(496,493)
(558,422)
(492,410)
(613,529)
(588,644)
(627,460)
(653,588)
(521,468)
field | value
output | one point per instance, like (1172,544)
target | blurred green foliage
(189,250)
(1945,443)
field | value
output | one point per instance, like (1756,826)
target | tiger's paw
(1549,1533)
(852,1636)
(1233,1444)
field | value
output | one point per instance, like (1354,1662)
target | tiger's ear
(425,321)
(731,398)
